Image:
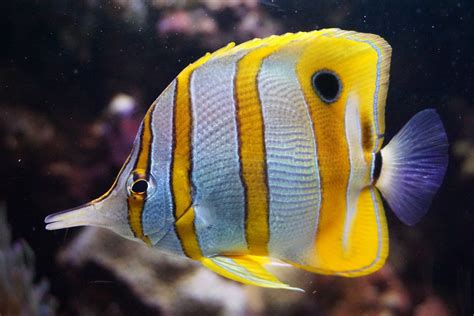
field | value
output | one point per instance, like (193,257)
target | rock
(159,283)
(98,262)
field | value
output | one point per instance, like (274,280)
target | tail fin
(413,166)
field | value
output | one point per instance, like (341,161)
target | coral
(19,295)
(215,23)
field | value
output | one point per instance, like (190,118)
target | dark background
(63,61)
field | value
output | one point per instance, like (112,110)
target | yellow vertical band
(182,160)
(181,164)
(181,167)
(187,234)
(135,209)
(136,202)
(333,152)
(252,149)
(252,140)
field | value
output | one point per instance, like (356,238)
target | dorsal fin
(375,42)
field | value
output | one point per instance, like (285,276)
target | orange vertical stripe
(333,153)
(182,162)
(181,167)
(252,141)
(182,159)
(136,202)
(252,150)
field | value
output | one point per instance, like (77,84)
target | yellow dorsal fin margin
(274,40)
(379,44)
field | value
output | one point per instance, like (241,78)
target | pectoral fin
(245,269)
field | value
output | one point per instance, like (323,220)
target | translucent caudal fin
(413,166)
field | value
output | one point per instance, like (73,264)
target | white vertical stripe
(292,166)
(358,177)
(219,193)
(157,217)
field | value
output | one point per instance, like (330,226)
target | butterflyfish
(271,151)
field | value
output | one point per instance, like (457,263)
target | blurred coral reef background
(77,76)
(18,292)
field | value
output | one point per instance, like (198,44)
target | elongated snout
(84,215)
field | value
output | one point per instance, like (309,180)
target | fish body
(271,150)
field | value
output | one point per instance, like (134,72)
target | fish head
(133,207)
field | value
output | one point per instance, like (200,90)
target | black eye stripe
(327,85)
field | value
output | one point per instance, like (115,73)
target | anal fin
(366,248)
(245,269)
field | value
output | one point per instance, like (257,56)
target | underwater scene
(236,157)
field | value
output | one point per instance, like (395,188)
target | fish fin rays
(367,247)
(245,269)
(413,166)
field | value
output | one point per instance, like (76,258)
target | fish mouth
(84,215)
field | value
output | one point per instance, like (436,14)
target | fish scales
(214,117)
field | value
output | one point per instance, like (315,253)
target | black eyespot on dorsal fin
(327,85)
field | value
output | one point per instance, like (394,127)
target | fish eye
(327,85)
(140,186)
